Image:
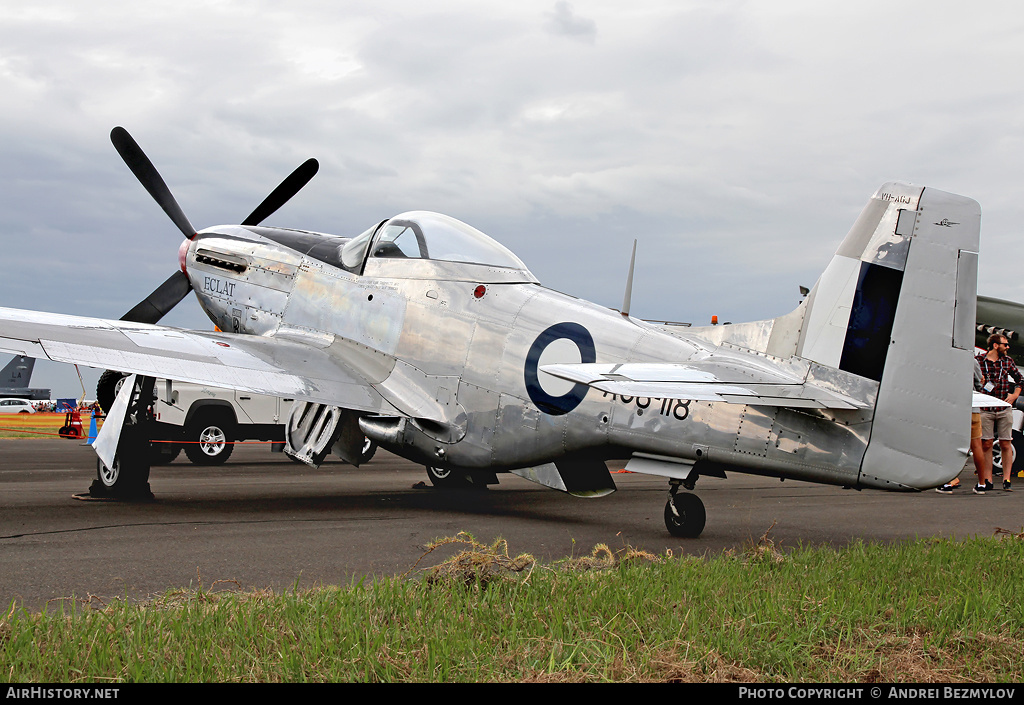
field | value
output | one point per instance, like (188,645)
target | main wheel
(369,448)
(688,520)
(444,479)
(209,439)
(123,478)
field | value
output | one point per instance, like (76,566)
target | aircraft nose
(182,252)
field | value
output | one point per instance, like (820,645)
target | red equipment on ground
(72,427)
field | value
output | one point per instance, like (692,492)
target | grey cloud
(736,140)
(564,22)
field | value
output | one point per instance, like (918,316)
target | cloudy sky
(737,141)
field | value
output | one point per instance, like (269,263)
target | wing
(731,379)
(320,368)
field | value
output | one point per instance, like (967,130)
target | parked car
(16,406)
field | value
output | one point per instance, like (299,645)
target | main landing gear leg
(684,513)
(128,478)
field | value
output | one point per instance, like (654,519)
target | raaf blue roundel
(556,406)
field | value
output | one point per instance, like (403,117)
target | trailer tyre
(209,438)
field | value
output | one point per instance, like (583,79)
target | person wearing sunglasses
(1003,382)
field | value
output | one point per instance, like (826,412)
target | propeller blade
(149,177)
(283,193)
(163,299)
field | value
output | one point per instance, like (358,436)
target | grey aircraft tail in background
(15,377)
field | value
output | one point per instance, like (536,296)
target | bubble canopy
(429,236)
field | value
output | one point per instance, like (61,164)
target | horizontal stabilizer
(706,380)
(980,400)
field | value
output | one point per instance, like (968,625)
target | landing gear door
(107,440)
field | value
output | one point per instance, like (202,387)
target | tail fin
(897,305)
(17,373)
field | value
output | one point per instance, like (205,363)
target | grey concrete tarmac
(262,521)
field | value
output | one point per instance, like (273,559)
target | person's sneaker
(988,485)
(1006,486)
(945,489)
(979,489)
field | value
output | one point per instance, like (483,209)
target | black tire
(122,479)
(365,454)
(164,453)
(108,387)
(445,479)
(369,448)
(690,522)
(209,438)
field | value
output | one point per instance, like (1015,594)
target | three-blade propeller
(177,286)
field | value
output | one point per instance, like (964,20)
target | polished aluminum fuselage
(471,339)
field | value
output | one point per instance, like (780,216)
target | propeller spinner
(177,286)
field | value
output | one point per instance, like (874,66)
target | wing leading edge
(333,371)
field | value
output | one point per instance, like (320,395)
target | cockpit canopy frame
(423,244)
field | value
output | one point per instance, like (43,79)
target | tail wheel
(685,516)
(209,439)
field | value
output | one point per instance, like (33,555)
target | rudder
(897,305)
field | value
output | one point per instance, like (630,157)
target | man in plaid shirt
(1003,382)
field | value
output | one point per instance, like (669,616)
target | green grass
(932,610)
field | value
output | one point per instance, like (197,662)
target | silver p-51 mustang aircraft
(430,338)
